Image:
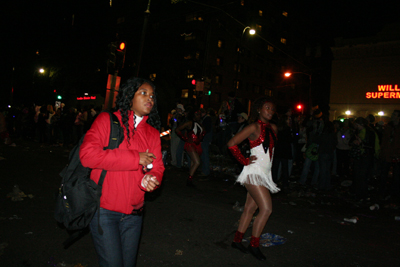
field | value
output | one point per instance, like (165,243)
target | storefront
(366,76)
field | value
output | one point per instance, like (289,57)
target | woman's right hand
(146,158)
(252,159)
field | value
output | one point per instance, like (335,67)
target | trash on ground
(374,207)
(351,220)
(237,207)
(17,194)
(346,183)
(268,240)
(15,217)
(178,252)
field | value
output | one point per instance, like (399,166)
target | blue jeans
(119,243)
(306,169)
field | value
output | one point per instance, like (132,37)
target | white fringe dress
(259,172)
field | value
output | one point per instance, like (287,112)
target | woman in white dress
(256,175)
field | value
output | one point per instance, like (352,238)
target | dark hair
(190,113)
(123,103)
(257,107)
(361,121)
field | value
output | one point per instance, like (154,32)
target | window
(283,40)
(258,28)
(260,13)
(236,84)
(218,79)
(236,67)
(189,74)
(220,43)
(242,2)
(153,77)
(219,61)
(197,54)
(271,49)
(284,13)
(189,37)
(268,92)
(193,17)
(189,56)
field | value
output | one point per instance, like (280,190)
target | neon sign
(385,91)
(86,98)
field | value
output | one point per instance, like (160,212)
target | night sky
(45,26)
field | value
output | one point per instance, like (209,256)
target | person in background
(326,146)
(256,175)
(126,182)
(180,119)
(314,128)
(283,151)
(363,147)
(193,136)
(222,127)
(390,156)
(343,135)
(206,122)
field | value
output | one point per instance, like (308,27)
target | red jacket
(122,189)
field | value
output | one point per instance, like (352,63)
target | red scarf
(271,140)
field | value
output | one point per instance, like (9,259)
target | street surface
(190,226)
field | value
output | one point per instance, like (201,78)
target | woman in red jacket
(126,182)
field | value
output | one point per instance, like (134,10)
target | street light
(251,32)
(288,74)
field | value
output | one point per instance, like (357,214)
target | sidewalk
(190,226)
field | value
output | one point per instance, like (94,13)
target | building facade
(365,75)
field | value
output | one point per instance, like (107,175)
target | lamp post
(288,74)
(251,32)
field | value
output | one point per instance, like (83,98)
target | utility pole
(146,19)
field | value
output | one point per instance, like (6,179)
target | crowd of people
(310,150)
(272,147)
(49,124)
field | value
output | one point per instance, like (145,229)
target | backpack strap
(115,139)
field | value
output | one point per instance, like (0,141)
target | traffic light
(208,92)
(120,55)
(59,97)
(299,107)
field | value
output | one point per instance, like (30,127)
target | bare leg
(195,161)
(249,208)
(262,198)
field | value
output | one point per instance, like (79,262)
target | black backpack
(78,197)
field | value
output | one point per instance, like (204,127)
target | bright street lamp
(251,31)
(41,70)
(381,113)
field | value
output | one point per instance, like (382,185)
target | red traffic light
(121,46)
(194,82)
(299,107)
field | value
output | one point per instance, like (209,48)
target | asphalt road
(190,226)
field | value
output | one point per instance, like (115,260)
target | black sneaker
(256,252)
